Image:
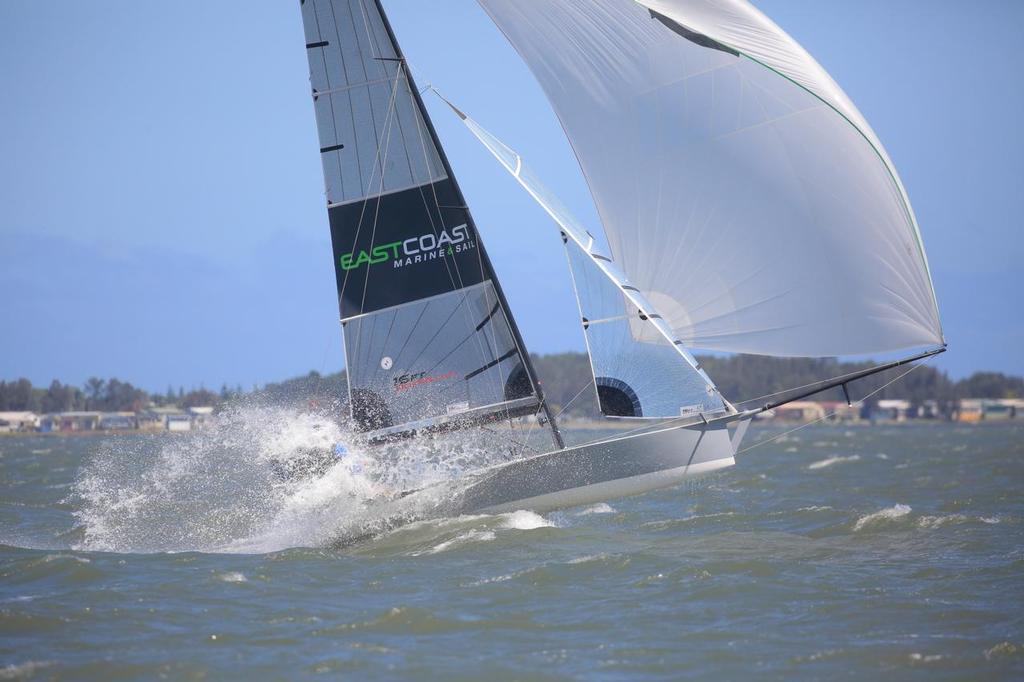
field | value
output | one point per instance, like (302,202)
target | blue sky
(161,200)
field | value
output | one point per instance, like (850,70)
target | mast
(430,342)
(429,125)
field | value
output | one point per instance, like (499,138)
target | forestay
(739,188)
(427,336)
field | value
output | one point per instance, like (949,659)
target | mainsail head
(739,188)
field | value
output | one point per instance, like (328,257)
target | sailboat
(746,204)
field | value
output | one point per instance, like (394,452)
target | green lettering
(378,254)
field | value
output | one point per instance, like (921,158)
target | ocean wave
(821,464)
(882,516)
(525,520)
(939,521)
(233,577)
(599,508)
(470,537)
(23,671)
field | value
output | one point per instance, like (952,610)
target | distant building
(118,421)
(179,422)
(929,409)
(66,422)
(891,410)
(973,410)
(150,420)
(201,416)
(840,411)
(18,421)
(800,411)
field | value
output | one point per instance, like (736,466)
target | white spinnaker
(611,296)
(738,186)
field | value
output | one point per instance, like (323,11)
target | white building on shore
(18,421)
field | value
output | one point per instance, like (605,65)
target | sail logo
(407,381)
(414,250)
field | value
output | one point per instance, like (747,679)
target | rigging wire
(689,419)
(834,412)
(795,388)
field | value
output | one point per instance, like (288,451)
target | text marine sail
(428,337)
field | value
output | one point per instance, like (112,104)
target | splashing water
(216,490)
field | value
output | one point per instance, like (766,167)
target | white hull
(596,472)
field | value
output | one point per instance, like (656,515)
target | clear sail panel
(637,372)
(442,358)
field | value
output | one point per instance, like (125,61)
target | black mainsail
(429,339)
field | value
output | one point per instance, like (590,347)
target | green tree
(61,398)
(200,398)
(94,392)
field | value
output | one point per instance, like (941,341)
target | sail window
(617,399)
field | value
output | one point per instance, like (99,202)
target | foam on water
(22,671)
(821,464)
(599,508)
(881,516)
(466,538)
(216,490)
(233,577)
(526,520)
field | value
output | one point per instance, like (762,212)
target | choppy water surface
(867,552)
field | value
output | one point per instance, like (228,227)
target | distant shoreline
(568,425)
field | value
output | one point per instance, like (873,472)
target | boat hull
(604,470)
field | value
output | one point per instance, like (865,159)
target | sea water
(885,552)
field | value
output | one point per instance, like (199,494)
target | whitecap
(821,464)
(938,521)
(458,540)
(1002,649)
(233,577)
(882,516)
(22,671)
(599,508)
(526,520)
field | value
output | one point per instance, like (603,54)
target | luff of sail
(429,341)
(639,368)
(738,186)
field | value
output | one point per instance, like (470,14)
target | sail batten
(738,186)
(429,340)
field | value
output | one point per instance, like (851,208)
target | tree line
(99,395)
(565,379)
